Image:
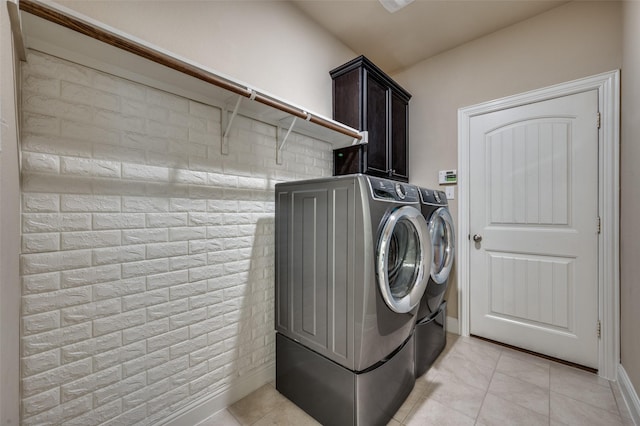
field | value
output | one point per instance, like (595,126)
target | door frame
(608,87)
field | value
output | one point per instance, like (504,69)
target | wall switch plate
(451,192)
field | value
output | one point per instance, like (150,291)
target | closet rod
(58,17)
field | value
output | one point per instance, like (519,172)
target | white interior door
(533,197)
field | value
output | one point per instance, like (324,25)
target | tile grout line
(486,392)
(588,403)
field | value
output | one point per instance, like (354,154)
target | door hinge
(599,330)
(599,119)
(599,225)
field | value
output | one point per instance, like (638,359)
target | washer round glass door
(443,242)
(403,259)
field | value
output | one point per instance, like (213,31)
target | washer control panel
(401,191)
(385,189)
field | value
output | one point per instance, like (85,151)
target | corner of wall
(9,231)
(629,198)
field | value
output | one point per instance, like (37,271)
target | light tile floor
(473,382)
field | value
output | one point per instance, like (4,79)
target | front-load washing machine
(353,258)
(430,334)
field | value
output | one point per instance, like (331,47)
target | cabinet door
(399,125)
(376,119)
(346,99)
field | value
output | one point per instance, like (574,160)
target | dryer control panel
(430,196)
(385,189)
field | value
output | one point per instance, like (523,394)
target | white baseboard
(629,394)
(452,325)
(208,405)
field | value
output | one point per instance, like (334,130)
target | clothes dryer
(432,314)
(352,263)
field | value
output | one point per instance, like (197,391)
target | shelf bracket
(281,144)
(227,121)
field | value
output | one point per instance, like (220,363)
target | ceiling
(424,28)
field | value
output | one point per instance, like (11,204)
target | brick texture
(147,256)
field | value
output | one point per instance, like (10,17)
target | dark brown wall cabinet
(366,98)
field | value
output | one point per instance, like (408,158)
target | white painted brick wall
(147,256)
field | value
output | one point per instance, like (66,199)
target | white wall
(630,196)
(9,231)
(575,40)
(270,45)
(147,257)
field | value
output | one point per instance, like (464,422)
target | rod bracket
(365,138)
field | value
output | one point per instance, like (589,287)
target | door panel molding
(608,87)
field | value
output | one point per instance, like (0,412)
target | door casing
(608,87)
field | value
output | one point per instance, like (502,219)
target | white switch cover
(451,193)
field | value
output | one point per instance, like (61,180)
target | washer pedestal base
(431,338)
(334,395)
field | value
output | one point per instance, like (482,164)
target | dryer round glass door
(402,264)
(443,241)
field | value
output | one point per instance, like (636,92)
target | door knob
(477,238)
